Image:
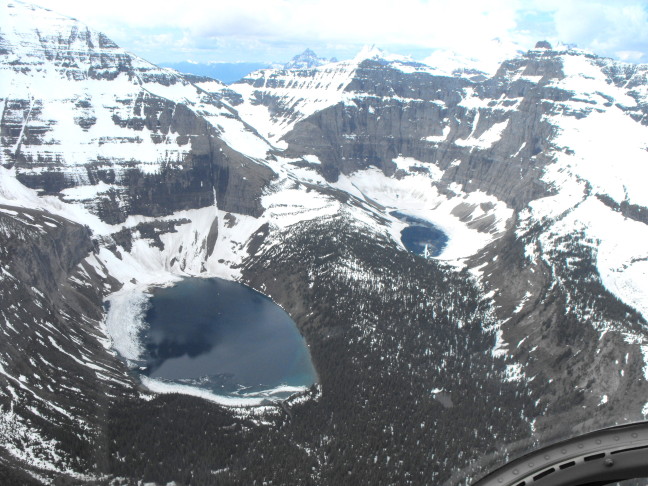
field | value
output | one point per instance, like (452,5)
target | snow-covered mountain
(276,99)
(81,112)
(116,175)
(536,137)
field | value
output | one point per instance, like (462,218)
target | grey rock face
(210,167)
(430,119)
(51,301)
(107,127)
(485,134)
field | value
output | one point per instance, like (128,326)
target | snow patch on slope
(406,163)
(613,165)
(13,193)
(487,139)
(297,96)
(293,205)
(21,441)
(589,161)
(621,254)
(125,320)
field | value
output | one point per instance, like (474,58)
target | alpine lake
(421,237)
(223,337)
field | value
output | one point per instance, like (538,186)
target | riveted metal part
(621,450)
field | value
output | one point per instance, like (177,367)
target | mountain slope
(540,127)
(529,326)
(539,141)
(79,111)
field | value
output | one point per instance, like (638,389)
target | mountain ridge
(534,314)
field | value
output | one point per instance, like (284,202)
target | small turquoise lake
(223,337)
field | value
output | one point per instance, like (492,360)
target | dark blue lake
(421,237)
(224,337)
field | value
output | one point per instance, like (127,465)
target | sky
(276,30)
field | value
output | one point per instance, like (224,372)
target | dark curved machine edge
(597,458)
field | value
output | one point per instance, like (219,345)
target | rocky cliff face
(489,135)
(57,372)
(493,135)
(80,112)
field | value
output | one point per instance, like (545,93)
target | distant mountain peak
(486,58)
(370,52)
(543,45)
(306,60)
(308,53)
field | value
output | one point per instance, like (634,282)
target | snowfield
(591,162)
(416,195)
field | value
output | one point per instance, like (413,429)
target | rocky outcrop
(488,136)
(57,376)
